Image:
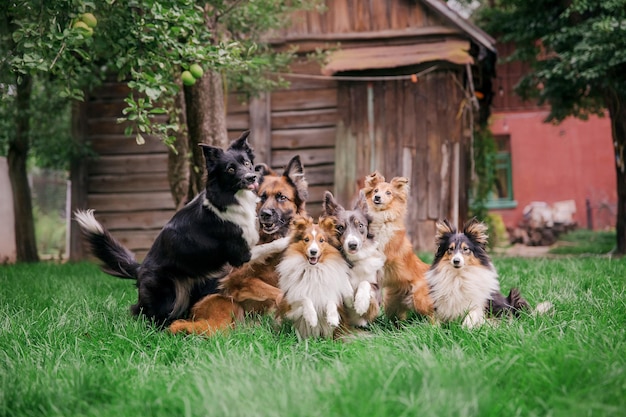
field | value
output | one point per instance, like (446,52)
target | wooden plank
(307,156)
(128,183)
(345,143)
(304,118)
(138,220)
(321,174)
(261,127)
(434,148)
(316,193)
(314,209)
(238,121)
(236,103)
(131,201)
(78,183)
(340,16)
(312,99)
(128,164)
(380,15)
(98,109)
(361,16)
(104,126)
(110,90)
(295,139)
(399,15)
(137,240)
(420,134)
(120,144)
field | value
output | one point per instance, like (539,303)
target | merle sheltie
(214,232)
(313,276)
(463,281)
(365,259)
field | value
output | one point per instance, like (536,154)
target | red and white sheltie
(463,281)
(404,284)
(313,276)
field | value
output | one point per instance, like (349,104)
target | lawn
(69,347)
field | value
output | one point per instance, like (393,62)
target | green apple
(196,71)
(89,19)
(83,28)
(187,78)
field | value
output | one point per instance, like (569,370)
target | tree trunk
(17,157)
(178,158)
(616,104)
(206,121)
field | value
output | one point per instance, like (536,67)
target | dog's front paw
(362,302)
(310,316)
(332,318)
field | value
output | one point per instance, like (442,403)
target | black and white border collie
(463,281)
(217,230)
(364,257)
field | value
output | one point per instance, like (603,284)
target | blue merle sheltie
(214,232)
(463,281)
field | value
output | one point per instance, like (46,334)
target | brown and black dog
(253,287)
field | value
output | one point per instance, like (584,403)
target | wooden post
(261,127)
(78,182)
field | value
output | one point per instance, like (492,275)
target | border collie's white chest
(242,214)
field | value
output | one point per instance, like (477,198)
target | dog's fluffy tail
(117,260)
(515,304)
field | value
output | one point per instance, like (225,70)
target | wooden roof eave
(479,36)
(310,42)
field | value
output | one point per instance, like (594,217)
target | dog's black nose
(313,252)
(250,178)
(376,199)
(456,261)
(352,246)
(266,214)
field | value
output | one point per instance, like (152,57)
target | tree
(149,43)
(577,53)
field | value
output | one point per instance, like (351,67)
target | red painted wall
(572,160)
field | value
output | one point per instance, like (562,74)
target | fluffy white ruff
(384,225)
(243,214)
(366,263)
(87,221)
(314,292)
(462,292)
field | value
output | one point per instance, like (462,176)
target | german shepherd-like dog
(214,232)
(253,288)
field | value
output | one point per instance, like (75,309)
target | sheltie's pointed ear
(328,225)
(211,154)
(372,179)
(361,203)
(443,230)
(299,224)
(401,185)
(476,231)
(330,206)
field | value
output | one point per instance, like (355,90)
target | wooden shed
(394,94)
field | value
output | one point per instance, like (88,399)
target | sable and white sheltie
(404,284)
(463,281)
(365,259)
(313,276)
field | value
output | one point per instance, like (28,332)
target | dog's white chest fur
(314,290)
(458,293)
(383,227)
(242,214)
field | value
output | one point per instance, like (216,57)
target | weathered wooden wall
(410,132)
(345,16)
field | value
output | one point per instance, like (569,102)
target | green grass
(583,241)
(68,347)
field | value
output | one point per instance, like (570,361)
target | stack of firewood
(542,224)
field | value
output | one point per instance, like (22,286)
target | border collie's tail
(117,260)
